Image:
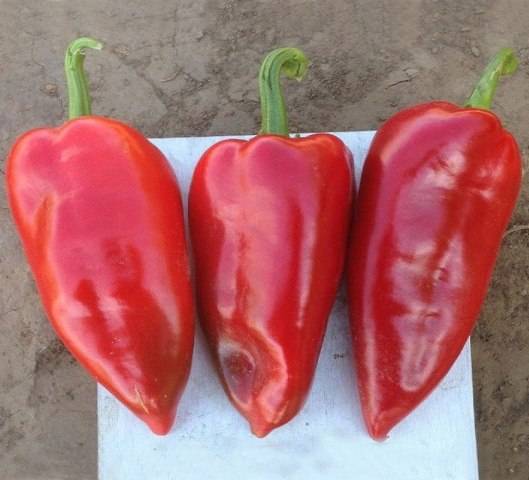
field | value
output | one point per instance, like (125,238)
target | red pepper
(438,188)
(99,213)
(269,221)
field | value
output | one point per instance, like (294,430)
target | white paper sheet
(327,440)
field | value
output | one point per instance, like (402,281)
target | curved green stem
(504,63)
(78,96)
(290,62)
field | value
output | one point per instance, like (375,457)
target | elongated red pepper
(99,213)
(437,191)
(269,220)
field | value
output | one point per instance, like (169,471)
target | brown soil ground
(188,67)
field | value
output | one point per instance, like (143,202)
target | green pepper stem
(79,102)
(290,62)
(504,63)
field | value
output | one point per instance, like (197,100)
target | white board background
(327,440)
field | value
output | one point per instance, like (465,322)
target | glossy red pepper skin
(99,213)
(438,188)
(269,220)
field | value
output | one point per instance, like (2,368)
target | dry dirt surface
(188,67)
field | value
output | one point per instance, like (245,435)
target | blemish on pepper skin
(140,400)
(238,368)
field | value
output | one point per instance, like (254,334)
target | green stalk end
(290,62)
(79,102)
(504,63)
